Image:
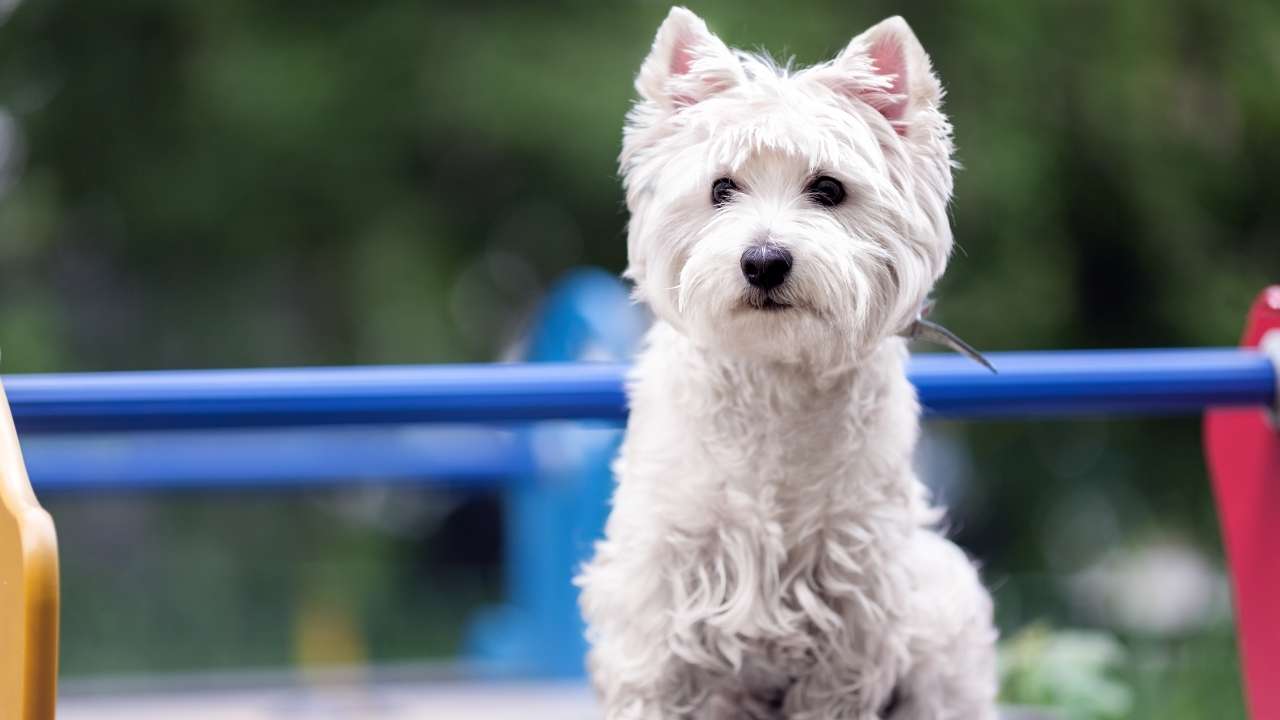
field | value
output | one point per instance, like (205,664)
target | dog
(770,552)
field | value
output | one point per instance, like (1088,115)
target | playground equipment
(1242,446)
(152,429)
(28,589)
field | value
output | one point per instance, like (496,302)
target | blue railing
(324,426)
(1028,384)
(276,458)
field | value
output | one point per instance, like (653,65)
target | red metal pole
(1242,447)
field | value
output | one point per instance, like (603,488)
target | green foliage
(1115,187)
(1073,672)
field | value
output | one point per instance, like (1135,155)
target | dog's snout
(766,266)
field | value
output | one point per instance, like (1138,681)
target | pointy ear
(887,68)
(687,64)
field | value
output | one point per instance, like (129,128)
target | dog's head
(786,214)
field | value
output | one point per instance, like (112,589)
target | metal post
(552,518)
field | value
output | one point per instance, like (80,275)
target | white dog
(771,553)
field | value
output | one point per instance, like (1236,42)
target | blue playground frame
(473,426)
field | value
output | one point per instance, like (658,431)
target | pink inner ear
(697,65)
(890,61)
(682,55)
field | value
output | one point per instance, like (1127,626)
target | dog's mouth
(771,305)
(766,302)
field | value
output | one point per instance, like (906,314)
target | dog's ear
(887,68)
(687,64)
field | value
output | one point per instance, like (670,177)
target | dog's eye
(826,191)
(722,191)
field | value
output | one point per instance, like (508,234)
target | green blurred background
(193,184)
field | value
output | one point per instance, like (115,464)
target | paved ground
(435,701)
(339,696)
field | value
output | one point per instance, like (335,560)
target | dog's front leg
(953,637)
(927,653)
(861,633)
(837,690)
(625,603)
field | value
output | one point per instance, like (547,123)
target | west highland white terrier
(771,553)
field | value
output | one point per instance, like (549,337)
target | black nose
(765,266)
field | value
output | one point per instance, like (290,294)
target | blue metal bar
(1029,384)
(435,455)
(1094,382)
(314,396)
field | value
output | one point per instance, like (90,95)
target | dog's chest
(783,492)
(765,573)
(793,555)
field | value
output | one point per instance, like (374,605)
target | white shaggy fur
(771,552)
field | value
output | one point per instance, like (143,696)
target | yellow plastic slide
(28,589)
